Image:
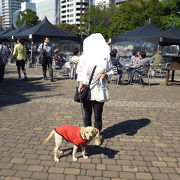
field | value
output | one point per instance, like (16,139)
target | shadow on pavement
(129,128)
(13,91)
(90,151)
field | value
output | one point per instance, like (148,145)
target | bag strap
(92,74)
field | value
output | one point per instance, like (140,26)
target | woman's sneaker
(19,78)
(97,141)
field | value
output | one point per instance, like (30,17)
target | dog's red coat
(71,134)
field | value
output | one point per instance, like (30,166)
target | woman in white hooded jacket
(95,53)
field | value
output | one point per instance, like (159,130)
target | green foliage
(111,21)
(72,28)
(29,16)
(171,13)
(129,16)
(97,20)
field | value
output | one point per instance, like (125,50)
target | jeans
(45,64)
(98,109)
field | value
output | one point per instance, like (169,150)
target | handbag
(85,94)
(42,55)
(102,92)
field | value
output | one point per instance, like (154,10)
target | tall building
(28,5)
(71,10)
(8,8)
(50,9)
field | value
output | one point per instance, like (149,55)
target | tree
(171,13)
(132,15)
(72,28)
(29,16)
(97,20)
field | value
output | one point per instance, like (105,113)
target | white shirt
(4,50)
(84,71)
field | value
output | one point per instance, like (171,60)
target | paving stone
(159,164)
(23,173)
(84,177)
(130,168)
(39,175)
(160,176)
(101,166)
(56,176)
(110,174)
(143,176)
(70,177)
(94,173)
(12,178)
(56,170)
(18,160)
(35,168)
(72,171)
(174,176)
(127,175)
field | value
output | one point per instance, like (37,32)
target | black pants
(2,69)
(98,109)
(45,64)
(20,65)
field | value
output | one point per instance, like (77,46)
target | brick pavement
(141,129)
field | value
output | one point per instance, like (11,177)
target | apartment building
(8,8)
(71,10)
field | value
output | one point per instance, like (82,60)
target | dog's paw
(56,159)
(74,159)
(60,152)
(85,157)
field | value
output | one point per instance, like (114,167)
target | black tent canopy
(24,27)
(11,28)
(174,30)
(148,32)
(46,29)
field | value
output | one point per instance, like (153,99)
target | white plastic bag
(102,94)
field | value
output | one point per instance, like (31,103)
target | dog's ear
(96,130)
(83,130)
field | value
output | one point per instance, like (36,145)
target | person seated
(157,59)
(140,62)
(134,58)
(115,61)
(59,62)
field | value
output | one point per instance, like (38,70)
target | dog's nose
(90,137)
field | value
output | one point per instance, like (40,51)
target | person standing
(3,60)
(48,54)
(75,60)
(96,53)
(20,54)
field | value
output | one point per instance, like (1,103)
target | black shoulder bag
(85,94)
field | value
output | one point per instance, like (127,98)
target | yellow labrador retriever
(76,135)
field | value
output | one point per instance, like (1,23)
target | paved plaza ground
(141,130)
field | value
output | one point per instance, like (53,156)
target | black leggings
(98,109)
(20,65)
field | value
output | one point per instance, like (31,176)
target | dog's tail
(49,137)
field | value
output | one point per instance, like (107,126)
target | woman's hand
(80,86)
(102,76)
